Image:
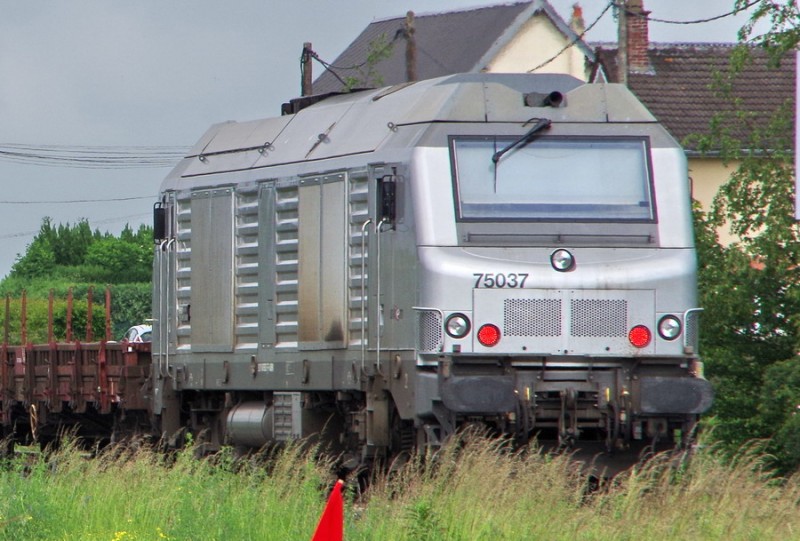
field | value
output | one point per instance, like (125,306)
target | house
(674,80)
(519,37)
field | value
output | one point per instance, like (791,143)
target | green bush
(63,258)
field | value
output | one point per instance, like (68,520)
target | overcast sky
(150,73)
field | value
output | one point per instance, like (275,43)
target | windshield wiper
(542,124)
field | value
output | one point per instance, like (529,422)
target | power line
(385,48)
(694,21)
(329,67)
(92,157)
(613,3)
(577,38)
(106,221)
(62,202)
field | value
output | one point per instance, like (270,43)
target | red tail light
(639,336)
(489,335)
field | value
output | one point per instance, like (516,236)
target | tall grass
(473,489)
(142,495)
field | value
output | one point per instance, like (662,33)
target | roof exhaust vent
(538,99)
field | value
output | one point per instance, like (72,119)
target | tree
(783,34)
(76,254)
(73,242)
(39,260)
(368,76)
(119,261)
(73,256)
(750,289)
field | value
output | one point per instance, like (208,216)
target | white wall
(536,42)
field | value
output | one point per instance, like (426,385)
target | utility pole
(305,68)
(622,37)
(411,48)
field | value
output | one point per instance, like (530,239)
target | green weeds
(474,489)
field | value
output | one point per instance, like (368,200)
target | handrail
(160,320)
(166,316)
(364,230)
(378,306)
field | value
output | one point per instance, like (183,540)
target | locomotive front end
(558,290)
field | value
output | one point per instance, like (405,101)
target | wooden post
(50,338)
(108,313)
(89,335)
(69,315)
(411,48)
(7,322)
(305,67)
(622,48)
(24,330)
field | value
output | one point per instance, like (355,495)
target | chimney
(576,22)
(638,37)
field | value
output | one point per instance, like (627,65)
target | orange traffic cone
(331,523)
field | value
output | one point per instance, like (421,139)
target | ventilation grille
(429,331)
(183,270)
(285,238)
(246,260)
(532,317)
(358,201)
(599,317)
(692,336)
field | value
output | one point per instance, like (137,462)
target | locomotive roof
(365,121)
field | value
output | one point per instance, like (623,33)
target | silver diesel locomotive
(381,268)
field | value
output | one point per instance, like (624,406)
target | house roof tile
(679,91)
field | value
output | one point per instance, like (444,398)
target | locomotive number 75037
(500,280)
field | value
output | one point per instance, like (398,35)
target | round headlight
(669,327)
(562,260)
(457,325)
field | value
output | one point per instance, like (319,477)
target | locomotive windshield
(584,179)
